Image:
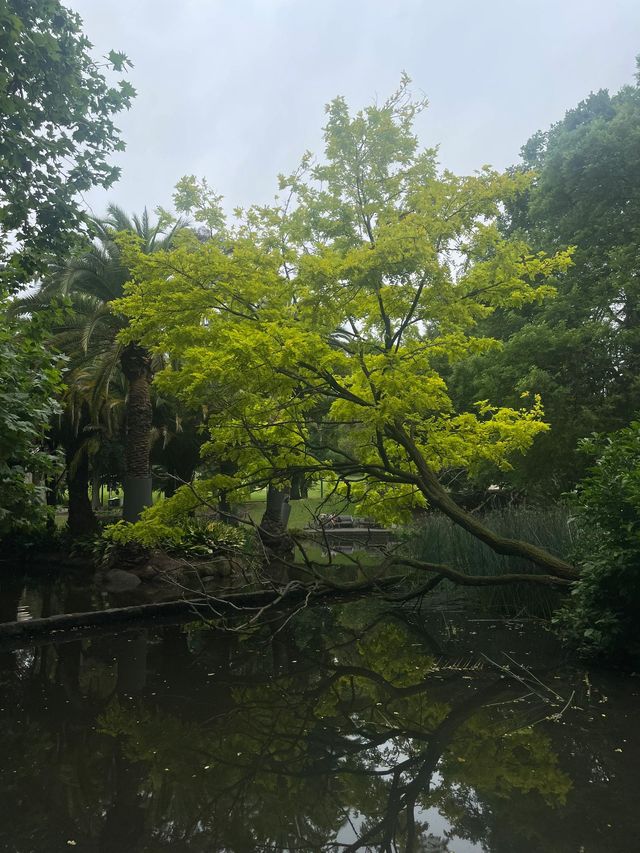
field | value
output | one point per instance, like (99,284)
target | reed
(439,540)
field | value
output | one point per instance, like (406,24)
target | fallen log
(113,616)
(71,626)
(61,635)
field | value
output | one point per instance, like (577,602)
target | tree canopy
(29,386)
(318,332)
(581,351)
(57,130)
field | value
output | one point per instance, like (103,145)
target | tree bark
(136,366)
(170,485)
(81,520)
(437,496)
(299,486)
(273,527)
(95,490)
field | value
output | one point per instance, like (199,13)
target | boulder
(163,563)
(117,580)
(147,572)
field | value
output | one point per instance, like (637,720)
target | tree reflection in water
(343,729)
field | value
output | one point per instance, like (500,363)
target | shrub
(602,614)
(171,525)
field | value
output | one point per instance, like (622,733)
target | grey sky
(234,90)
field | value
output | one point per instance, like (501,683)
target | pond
(361,726)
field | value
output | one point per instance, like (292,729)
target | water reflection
(343,729)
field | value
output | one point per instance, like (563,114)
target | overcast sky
(234,90)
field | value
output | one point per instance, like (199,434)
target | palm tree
(91,280)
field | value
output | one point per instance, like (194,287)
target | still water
(363,726)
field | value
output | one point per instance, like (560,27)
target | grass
(302,511)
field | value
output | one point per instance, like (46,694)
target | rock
(191,576)
(117,580)
(128,556)
(157,565)
(218,567)
(146,573)
(162,562)
(186,576)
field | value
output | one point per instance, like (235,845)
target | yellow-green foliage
(170,525)
(314,332)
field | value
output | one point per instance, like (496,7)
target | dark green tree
(56,130)
(29,383)
(581,351)
(601,616)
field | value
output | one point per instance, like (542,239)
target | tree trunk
(95,490)
(136,366)
(438,497)
(273,527)
(278,545)
(224,509)
(170,485)
(299,486)
(52,497)
(60,628)
(81,520)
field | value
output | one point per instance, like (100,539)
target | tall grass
(439,540)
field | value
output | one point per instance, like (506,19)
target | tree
(602,615)
(56,131)
(351,297)
(91,280)
(29,384)
(581,351)
(76,433)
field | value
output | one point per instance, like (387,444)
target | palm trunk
(81,520)
(136,366)
(95,490)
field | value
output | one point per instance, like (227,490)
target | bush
(29,384)
(602,615)
(171,525)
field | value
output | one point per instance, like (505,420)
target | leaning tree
(321,338)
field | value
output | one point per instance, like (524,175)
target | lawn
(302,511)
